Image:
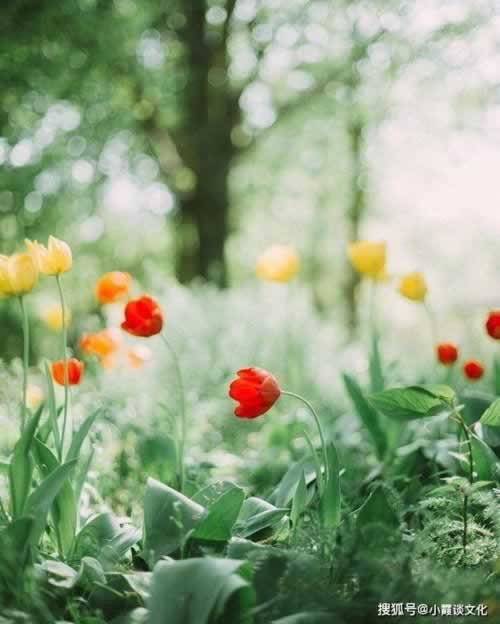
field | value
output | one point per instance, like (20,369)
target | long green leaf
(21,466)
(367,414)
(169,516)
(299,501)
(80,435)
(64,510)
(330,503)
(52,407)
(42,498)
(222,515)
(375,368)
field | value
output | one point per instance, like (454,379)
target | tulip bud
(279,263)
(413,287)
(368,258)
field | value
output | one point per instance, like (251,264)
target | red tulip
(493,324)
(256,391)
(473,370)
(75,371)
(143,317)
(447,353)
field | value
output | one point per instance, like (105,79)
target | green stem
(432,323)
(373,311)
(64,358)
(182,438)
(463,425)
(317,466)
(464,537)
(468,437)
(318,425)
(26,354)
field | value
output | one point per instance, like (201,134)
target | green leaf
(367,414)
(375,369)
(199,591)
(496,375)
(15,542)
(82,472)
(299,501)
(485,460)
(475,404)
(306,617)
(52,407)
(413,402)
(491,416)
(80,435)
(104,538)
(257,514)
(169,517)
(59,575)
(210,493)
(42,498)
(21,466)
(64,509)
(284,492)
(222,514)
(377,510)
(331,499)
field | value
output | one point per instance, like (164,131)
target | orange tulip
(102,344)
(112,287)
(74,368)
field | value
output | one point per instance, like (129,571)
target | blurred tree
(93,89)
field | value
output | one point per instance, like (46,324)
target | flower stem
(181,441)
(459,419)
(318,425)
(64,358)
(463,425)
(432,323)
(26,352)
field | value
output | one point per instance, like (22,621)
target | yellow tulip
(34,396)
(54,259)
(5,286)
(23,273)
(368,258)
(53,317)
(413,287)
(279,263)
(18,274)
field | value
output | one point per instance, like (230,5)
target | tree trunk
(210,112)
(204,228)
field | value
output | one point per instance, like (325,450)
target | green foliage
(198,591)
(491,416)
(367,414)
(414,402)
